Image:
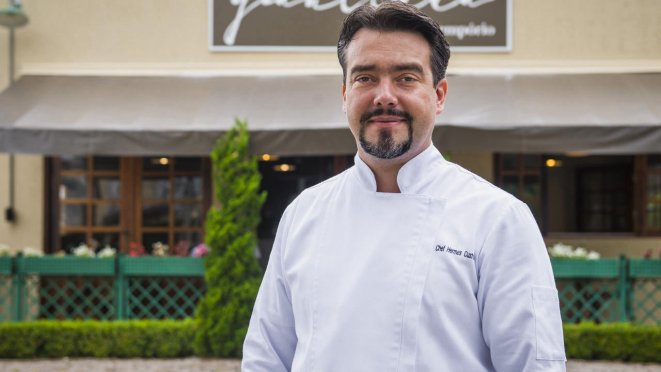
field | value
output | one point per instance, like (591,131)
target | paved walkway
(227,365)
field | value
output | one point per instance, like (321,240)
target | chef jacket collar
(413,178)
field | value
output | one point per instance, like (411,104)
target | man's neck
(386,170)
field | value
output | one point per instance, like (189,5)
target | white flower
(580,252)
(4,250)
(160,249)
(593,255)
(560,250)
(107,252)
(83,251)
(31,252)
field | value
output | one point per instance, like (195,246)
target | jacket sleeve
(271,339)
(517,297)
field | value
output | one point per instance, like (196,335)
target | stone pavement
(227,365)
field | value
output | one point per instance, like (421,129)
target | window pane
(193,238)
(156,163)
(188,164)
(72,215)
(106,163)
(531,187)
(148,240)
(71,240)
(531,162)
(105,214)
(511,185)
(654,186)
(654,161)
(187,214)
(101,240)
(593,181)
(156,188)
(74,163)
(510,162)
(73,187)
(155,215)
(188,187)
(654,215)
(106,188)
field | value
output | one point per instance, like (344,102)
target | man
(405,262)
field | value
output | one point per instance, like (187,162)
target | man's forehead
(386,51)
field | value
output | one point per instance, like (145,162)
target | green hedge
(100,339)
(174,338)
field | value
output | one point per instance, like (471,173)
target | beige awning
(302,115)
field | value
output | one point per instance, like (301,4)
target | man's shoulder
(459,183)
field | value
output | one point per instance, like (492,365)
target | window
(521,176)
(101,200)
(171,201)
(89,195)
(650,194)
(604,199)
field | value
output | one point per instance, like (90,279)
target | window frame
(641,173)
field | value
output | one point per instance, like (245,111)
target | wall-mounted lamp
(284,168)
(267,157)
(553,163)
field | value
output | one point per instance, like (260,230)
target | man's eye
(409,79)
(363,79)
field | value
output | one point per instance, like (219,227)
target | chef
(404,262)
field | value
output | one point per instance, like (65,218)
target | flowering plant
(31,252)
(136,249)
(560,250)
(83,250)
(182,248)
(107,252)
(160,249)
(4,250)
(200,250)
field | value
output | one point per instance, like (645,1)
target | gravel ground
(229,365)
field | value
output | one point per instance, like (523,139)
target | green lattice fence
(162,287)
(67,288)
(645,276)
(589,290)
(6,289)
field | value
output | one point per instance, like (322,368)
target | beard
(385,146)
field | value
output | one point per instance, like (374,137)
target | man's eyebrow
(362,68)
(409,67)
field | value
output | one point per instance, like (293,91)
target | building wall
(28,229)
(480,163)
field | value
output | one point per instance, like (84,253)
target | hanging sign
(314,25)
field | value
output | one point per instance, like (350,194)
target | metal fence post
(18,288)
(624,290)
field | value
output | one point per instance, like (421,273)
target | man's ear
(441,92)
(344,99)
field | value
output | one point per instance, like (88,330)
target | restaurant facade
(105,135)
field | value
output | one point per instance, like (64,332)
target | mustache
(389,112)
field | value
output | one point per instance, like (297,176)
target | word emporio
(443,248)
(245,6)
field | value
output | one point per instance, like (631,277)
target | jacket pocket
(548,324)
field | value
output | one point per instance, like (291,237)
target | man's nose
(385,95)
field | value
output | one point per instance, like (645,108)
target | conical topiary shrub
(233,274)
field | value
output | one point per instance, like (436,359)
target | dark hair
(391,16)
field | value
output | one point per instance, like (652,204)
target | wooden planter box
(161,266)
(581,268)
(5,265)
(644,268)
(67,265)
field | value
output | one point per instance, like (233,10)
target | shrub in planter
(232,272)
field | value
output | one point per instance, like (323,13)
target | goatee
(385,147)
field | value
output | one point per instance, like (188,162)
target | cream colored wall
(170,36)
(28,229)
(480,163)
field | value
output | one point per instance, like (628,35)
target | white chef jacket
(451,274)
